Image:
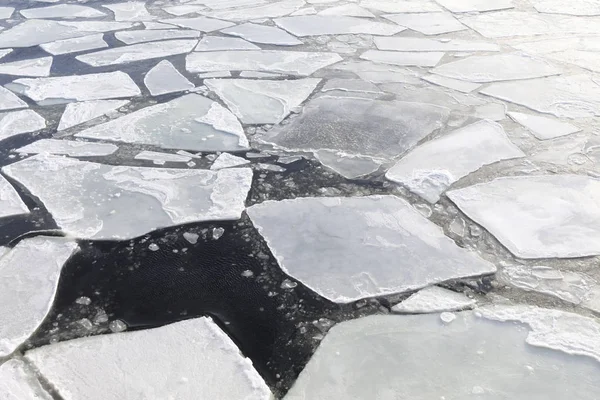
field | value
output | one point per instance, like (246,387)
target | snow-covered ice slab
(262,101)
(71,148)
(6,12)
(427,44)
(543,127)
(262,34)
(572,96)
(469,358)
(65,46)
(31,67)
(314,25)
(428,23)
(285,62)
(164,78)
(203,364)
(67,89)
(346,249)
(541,216)
(10,202)
(29,276)
(434,299)
(119,202)
(460,6)
(347,10)
(130,11)
(65,11)
(78,113)
(434,166)
(271,10)
(16,122)
(403,58)
(226,160)
(401,6)
(218,43)
(573,7)
(455,84)
(10,101)
(18,382)
(137,52)
(201,24)
(497,67)
(190,122)
(161,158)
(139,36)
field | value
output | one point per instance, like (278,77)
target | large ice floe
(100,199)
(203,363)
(346,249)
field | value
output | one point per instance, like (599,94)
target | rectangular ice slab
(65,11)
(346,249)
(432,167)
(74,45)
(28,280)
(78,113)
(18,382)
(10,202)
(137,52)
(71,148)
(314,25)
(543,127)
(119,202)
(31,67)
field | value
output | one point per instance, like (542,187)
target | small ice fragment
(217,233)
(153,247)
(192,238)
(117,326)
(447,317)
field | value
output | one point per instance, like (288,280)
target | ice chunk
(71,148)
(426,44)
(262,34)
(133,37)
(226,160)
(164,78)
(575,7)
(183,9)
(258,75)
(441,361)
(434,166)
(403,58)
(74,45)
(18,382)
(400,6)
(216,74)
(272,10)
(497,67)
(28,280)
(30,67)
(10,101)
(10,202)
(5,52)
(378,73)
(348,10)
(461,6)
(66,89)
(137,52)
(428,23)
(350,166)
(130,11)
(542,216)
(461,86)
(119,202)
(78,113)
(434,299)
(161,158)
(190,122)
(285,62)
(203,362)
(262,101)
(542,127)
(201,24)
(217,43)
(314,25)
(17,122)
(346,249)
(65,11)
(6,12)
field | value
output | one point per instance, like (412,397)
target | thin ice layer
(78,113)
(137,52)
(346,249)
(434,299)
(31,67)
(28,280)
(434,166)
(18,382)
(262,101)
(10,202)
(541,216)
(543,127)
(428,23)
(262,34)
(119,202)
(203,364)
(314,25)
(16,122)
(189,122)
(164,78)
(71,148)
(139,36)
(470,358)
(65,46)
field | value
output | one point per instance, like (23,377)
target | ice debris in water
(164,78)
(10,202)
(71,148)
(192,238)
(117,325)
(201,24)
(18,382)
(78,113)
(130,11)
(217,233)
(140,36)
(404,58)
(434,299)
(153,247)
(10,101)
(447,317)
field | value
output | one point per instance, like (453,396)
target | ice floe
(427,44)
(378,73)
(262,101)
(9,100)
(204,363)
(350,248)
(18,382)
(347,10)
(271,10)
(262,34)
(539,216)
(543,127)
(29,276)
(64,11)
(464,6)
(130,11)
(434,299)
(217,43)
(226,160)
(455,84)
(162,158)
(350,166)
(313,25)
(201,24)
(400,6)
(65,46)
(139,36)
(10,202)
(71,148)
(78,113)
(403,58)
(183,9)
(434,166)
(30,67)
(16,122)
(428,23)
(164,78)
(574,7)
(585,59)
(120,202)
(6,12)
(190,122)
(350,85)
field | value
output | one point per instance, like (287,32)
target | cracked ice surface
(100,200)
(18,382)
(350,248)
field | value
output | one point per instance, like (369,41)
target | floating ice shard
(10,101)
(217,43)
(10,202)
(262,101)
(542,216)
(226,160)
(348,10)
(133,37)
(190,122)
(130,11)
(164,78)
(426,44)
(119,202)
(437,360)
(201,24)
(203,361)
(350,166)
(137,52)
(403,58)
(28,280)
(74,45)
(5,52)
(434,299)
(271,10)
(17,122)
(400,6)
(573,96)
(346,249)
(262,34)
(6,12)
(215,74)
(460,6)
(71,148)
(428,23)
(575,7)
(30,67)
(65,11)
(285,62)
(542,127)
(461,86)
(314,25)
(78,113)
(434,166)
(18,382)
(161,158)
